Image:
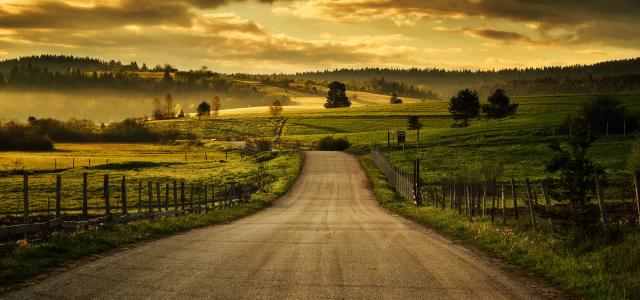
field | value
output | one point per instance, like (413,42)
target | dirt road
(327,238)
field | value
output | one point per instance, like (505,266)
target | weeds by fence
(522,201)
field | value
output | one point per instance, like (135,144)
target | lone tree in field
(394,99)
(499,105)
(158,112)
(204,109)
(414,124)
(463,106)
(337,97)
(216,105)
(577,179)
(275,108)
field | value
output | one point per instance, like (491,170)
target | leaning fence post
(25,197)
(139,195)
(515,198)
(58,194)
(123,194)
(603,209)
(547,204)
(206,190)
(636,181)
(84,195)
(484,199)
(105,194)
(191,196)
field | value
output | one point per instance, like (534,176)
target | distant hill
(605,77)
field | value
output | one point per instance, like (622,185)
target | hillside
(605,77)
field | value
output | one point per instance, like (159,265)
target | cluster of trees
(40,134)
(205,109)
(72,74)
(606,77)
(383,86)
(466,105)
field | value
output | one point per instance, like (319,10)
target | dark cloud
(558,21)
(505,36)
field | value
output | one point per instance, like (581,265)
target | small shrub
(333,144)
(633,162)
(258,145)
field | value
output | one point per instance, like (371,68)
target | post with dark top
(206,191)
(107,207)
(84,196)
(58,194)
(123,193)
(515,198)
(25,197)
(191,196)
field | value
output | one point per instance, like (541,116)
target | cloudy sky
(290,35)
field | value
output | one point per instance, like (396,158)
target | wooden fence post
(105,194)
(443,194)
(451,195)
(213,196)
(175,194)
(84,195)
(182,199)
(25,198)
(603,209)
(504,205)
(636,182)
(484,199)
(530,204)
(150,196)
(493,199)
(547,204)
(515,198)
(123,195)
(166,197)
(158,197)
(191,196)
(58,195)
(139,195)
(206,198)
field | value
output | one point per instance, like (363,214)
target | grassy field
(138,162)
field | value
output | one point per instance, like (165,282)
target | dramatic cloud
(278,36)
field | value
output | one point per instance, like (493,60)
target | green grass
(590,269)
(137,162)
(25,263)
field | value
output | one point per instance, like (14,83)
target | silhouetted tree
(170,113)
(275,108)
(158,113)
(336,96)
(464,105)
(394,99)
(499,105)
(204,109)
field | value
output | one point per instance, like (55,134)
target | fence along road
(327,238)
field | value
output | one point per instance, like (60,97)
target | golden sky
(289,35)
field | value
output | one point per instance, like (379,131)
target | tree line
(41,134)
(606,77)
